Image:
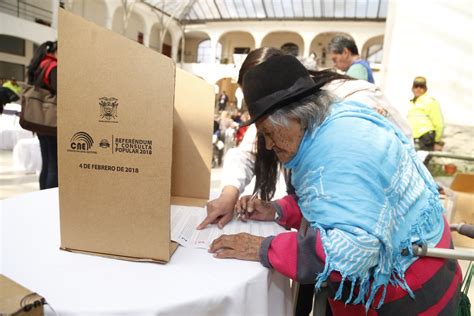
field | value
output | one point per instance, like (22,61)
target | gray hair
(339,42)
(310,111)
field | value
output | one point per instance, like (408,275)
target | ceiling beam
(265,9)
(245,8)
(218,10)
(378,8)
(292,8)
(236,11)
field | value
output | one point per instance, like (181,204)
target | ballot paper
(185,219)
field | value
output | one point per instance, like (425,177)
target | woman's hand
(221,210)
(240,246)
(255,209)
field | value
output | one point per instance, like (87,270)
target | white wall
(431,38)
(232,40)
(10,25)
(211,73)
(95,11)
(136,24)
(22,60)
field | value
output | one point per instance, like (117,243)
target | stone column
(307,39)
(175,41)
(214,41)
(258,37)
(54,12)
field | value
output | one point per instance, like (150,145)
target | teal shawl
(360,183)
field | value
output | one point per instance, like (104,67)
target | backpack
(39,107)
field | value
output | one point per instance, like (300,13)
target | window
(290,49)
(241,50)
(204,52)
(375,53)
(12,45)
(11,70)
(43,22)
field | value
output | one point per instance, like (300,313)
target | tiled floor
(14,182)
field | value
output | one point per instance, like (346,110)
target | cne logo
(81,141)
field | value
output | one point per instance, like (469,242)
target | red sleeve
(288,211)
(296,255)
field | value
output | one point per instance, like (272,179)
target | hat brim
(277,104)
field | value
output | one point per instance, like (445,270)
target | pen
(241,212)
(254,196)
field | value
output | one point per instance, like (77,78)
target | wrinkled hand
(256,209)
(221,210)
(240,246)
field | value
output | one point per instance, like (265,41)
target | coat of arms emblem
(108,108)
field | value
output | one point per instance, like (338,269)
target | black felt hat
(275,83)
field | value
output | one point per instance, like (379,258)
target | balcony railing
(27,11)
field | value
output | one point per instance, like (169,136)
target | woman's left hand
(240,246)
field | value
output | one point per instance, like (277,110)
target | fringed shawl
(360,183)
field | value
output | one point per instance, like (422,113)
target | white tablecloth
(27,155)
(10,129)
(192,283)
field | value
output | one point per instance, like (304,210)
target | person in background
(226,122)
(345,55)
(42,72)
(13,86)
(9,92)
(365,202)
(223,99)
(236,116)
(425,118)
(227,128)
(239,136)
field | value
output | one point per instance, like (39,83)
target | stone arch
(278,39)
(191,44)
(155,40)
(320,47)
(235,42)
(135,28)
(373,49)
(204,54)
(95,11)
(228,85)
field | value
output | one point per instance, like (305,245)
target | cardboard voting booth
(18,300)
(134,136)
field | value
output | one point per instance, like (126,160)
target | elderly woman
(363,192)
